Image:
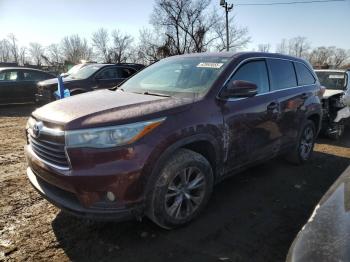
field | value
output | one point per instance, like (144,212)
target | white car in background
(336,101)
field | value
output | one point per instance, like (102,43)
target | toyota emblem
(37,129)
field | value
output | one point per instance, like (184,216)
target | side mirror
(239,88)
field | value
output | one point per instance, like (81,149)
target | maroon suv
(157,145)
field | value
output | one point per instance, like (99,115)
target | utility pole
(228,8)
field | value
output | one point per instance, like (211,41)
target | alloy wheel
(185,193)
(306,143)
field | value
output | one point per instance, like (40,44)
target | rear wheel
(182,189)
(302,152)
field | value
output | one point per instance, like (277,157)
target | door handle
(272,106)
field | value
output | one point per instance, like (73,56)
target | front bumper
(84,193)
(68,202)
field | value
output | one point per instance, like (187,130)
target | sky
(48,21)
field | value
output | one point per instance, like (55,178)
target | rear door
(9,86)
(250,123)
(290,96)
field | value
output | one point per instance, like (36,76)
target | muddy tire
(302,152)
(182,189)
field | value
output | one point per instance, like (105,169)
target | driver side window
(255,72)
(109,73)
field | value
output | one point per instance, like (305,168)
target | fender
(163,155)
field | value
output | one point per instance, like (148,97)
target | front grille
(49,147)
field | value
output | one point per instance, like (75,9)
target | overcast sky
(47,21)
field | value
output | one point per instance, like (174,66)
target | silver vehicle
(336,101)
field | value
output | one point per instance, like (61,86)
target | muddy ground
(253,216)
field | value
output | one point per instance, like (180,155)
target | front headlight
(110,136)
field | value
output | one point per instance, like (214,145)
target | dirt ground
(253,216)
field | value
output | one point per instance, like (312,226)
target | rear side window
(9,76)
(282,74)
(304,75)
(35,76)
(255,72)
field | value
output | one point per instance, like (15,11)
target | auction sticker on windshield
(210,65)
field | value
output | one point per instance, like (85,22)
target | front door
(250,123)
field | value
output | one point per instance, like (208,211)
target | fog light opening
(110,196)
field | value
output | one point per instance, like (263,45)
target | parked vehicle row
(156,145)
(25,85)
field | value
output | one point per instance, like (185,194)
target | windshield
(85,72)
(177,76)
(74,69)
(333,80)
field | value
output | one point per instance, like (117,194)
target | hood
(329,92)
(107,107)
(54,81)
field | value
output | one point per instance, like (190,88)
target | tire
(340,127)
(302,152)
(181,191)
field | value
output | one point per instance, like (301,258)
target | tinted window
(282,74)
(254,72)
(304,75)
(126,72)
(108,73)
(9,76)
(35,76)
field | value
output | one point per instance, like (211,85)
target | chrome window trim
(257,58)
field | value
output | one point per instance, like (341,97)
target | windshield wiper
(154,94)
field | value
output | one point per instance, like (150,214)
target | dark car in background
(156,145)
(88,78)
(18,84)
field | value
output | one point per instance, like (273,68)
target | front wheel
(182,189)
(303,150)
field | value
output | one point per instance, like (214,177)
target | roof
(241,54)
(22,68)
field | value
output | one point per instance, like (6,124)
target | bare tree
(282,47)
(100,41)
(75,49)
(36,52)
(120,50)
(148,49)
(187,26)
(238,36)
(54,54)
(13,47)
(299,46)
(320,56)
(264,48)
(339,57)
(5,51)
(22,55)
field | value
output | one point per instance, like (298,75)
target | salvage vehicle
(326,235)
(335,111)
(157,144)
(88,78)
(18,84)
